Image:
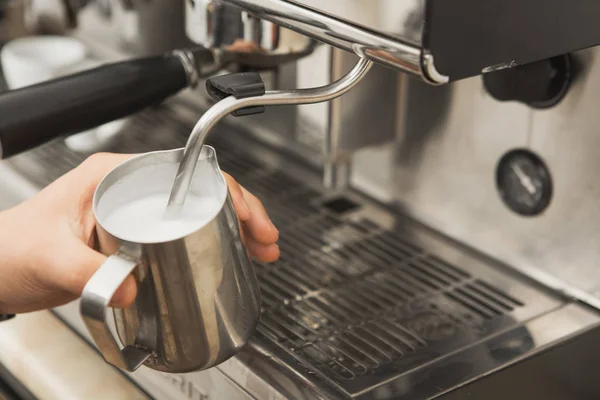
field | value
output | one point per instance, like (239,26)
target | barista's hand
(46,254)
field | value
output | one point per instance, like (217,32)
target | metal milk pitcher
(198,299)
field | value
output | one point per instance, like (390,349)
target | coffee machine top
(437,40)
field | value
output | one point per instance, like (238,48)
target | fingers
(262,252)
(98,165)
(258,226)
(55,300)
(81,182)
(125,295)
(258,232)
(95,167)
(239,202)
(83,185)
(81,265)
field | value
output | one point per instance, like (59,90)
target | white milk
(134,207)
(144,220)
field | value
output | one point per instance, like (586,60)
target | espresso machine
(437,227)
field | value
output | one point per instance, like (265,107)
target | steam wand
(236,104)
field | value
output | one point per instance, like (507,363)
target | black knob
(541,84)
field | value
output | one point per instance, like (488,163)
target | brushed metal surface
(257,43)
(363,305)
(441,170)
(366,41)
(403,19)
(52,362)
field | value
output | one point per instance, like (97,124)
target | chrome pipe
(345,35)
(228,105)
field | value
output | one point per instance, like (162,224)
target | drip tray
(365,303)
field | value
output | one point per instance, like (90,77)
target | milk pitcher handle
(95,299)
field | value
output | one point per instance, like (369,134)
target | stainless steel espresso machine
(438,223)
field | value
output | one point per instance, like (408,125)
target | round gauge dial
(524,182)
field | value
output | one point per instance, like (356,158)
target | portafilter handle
(34,115)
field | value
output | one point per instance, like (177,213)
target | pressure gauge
(524,182)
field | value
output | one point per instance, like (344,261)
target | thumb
(83,264)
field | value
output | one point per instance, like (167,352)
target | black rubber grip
(34,115)
(240,85)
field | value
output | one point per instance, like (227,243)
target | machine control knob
(540,84)
(524,182)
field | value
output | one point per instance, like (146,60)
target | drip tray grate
(351,301)
(355,306)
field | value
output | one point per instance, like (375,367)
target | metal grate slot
(401,288)
(299,237)
(483,305)
(330,316)
(470,305)
(433,279)
(451,274)
(274,293)
(268,299)
(387,290)
(444,266)
(374,297)
(365,342)
(309,281)
(404,341)
(399,244)
(282,331)
(385,352)
(476,295)
(347,306)
(288,290)
(397,348)
(301,330)
(404,272)
(489,298)
(499,293)
(278,184)
(296,280)
(385,251)
(346,343)
(358,362)
(326,318)
(325,361)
